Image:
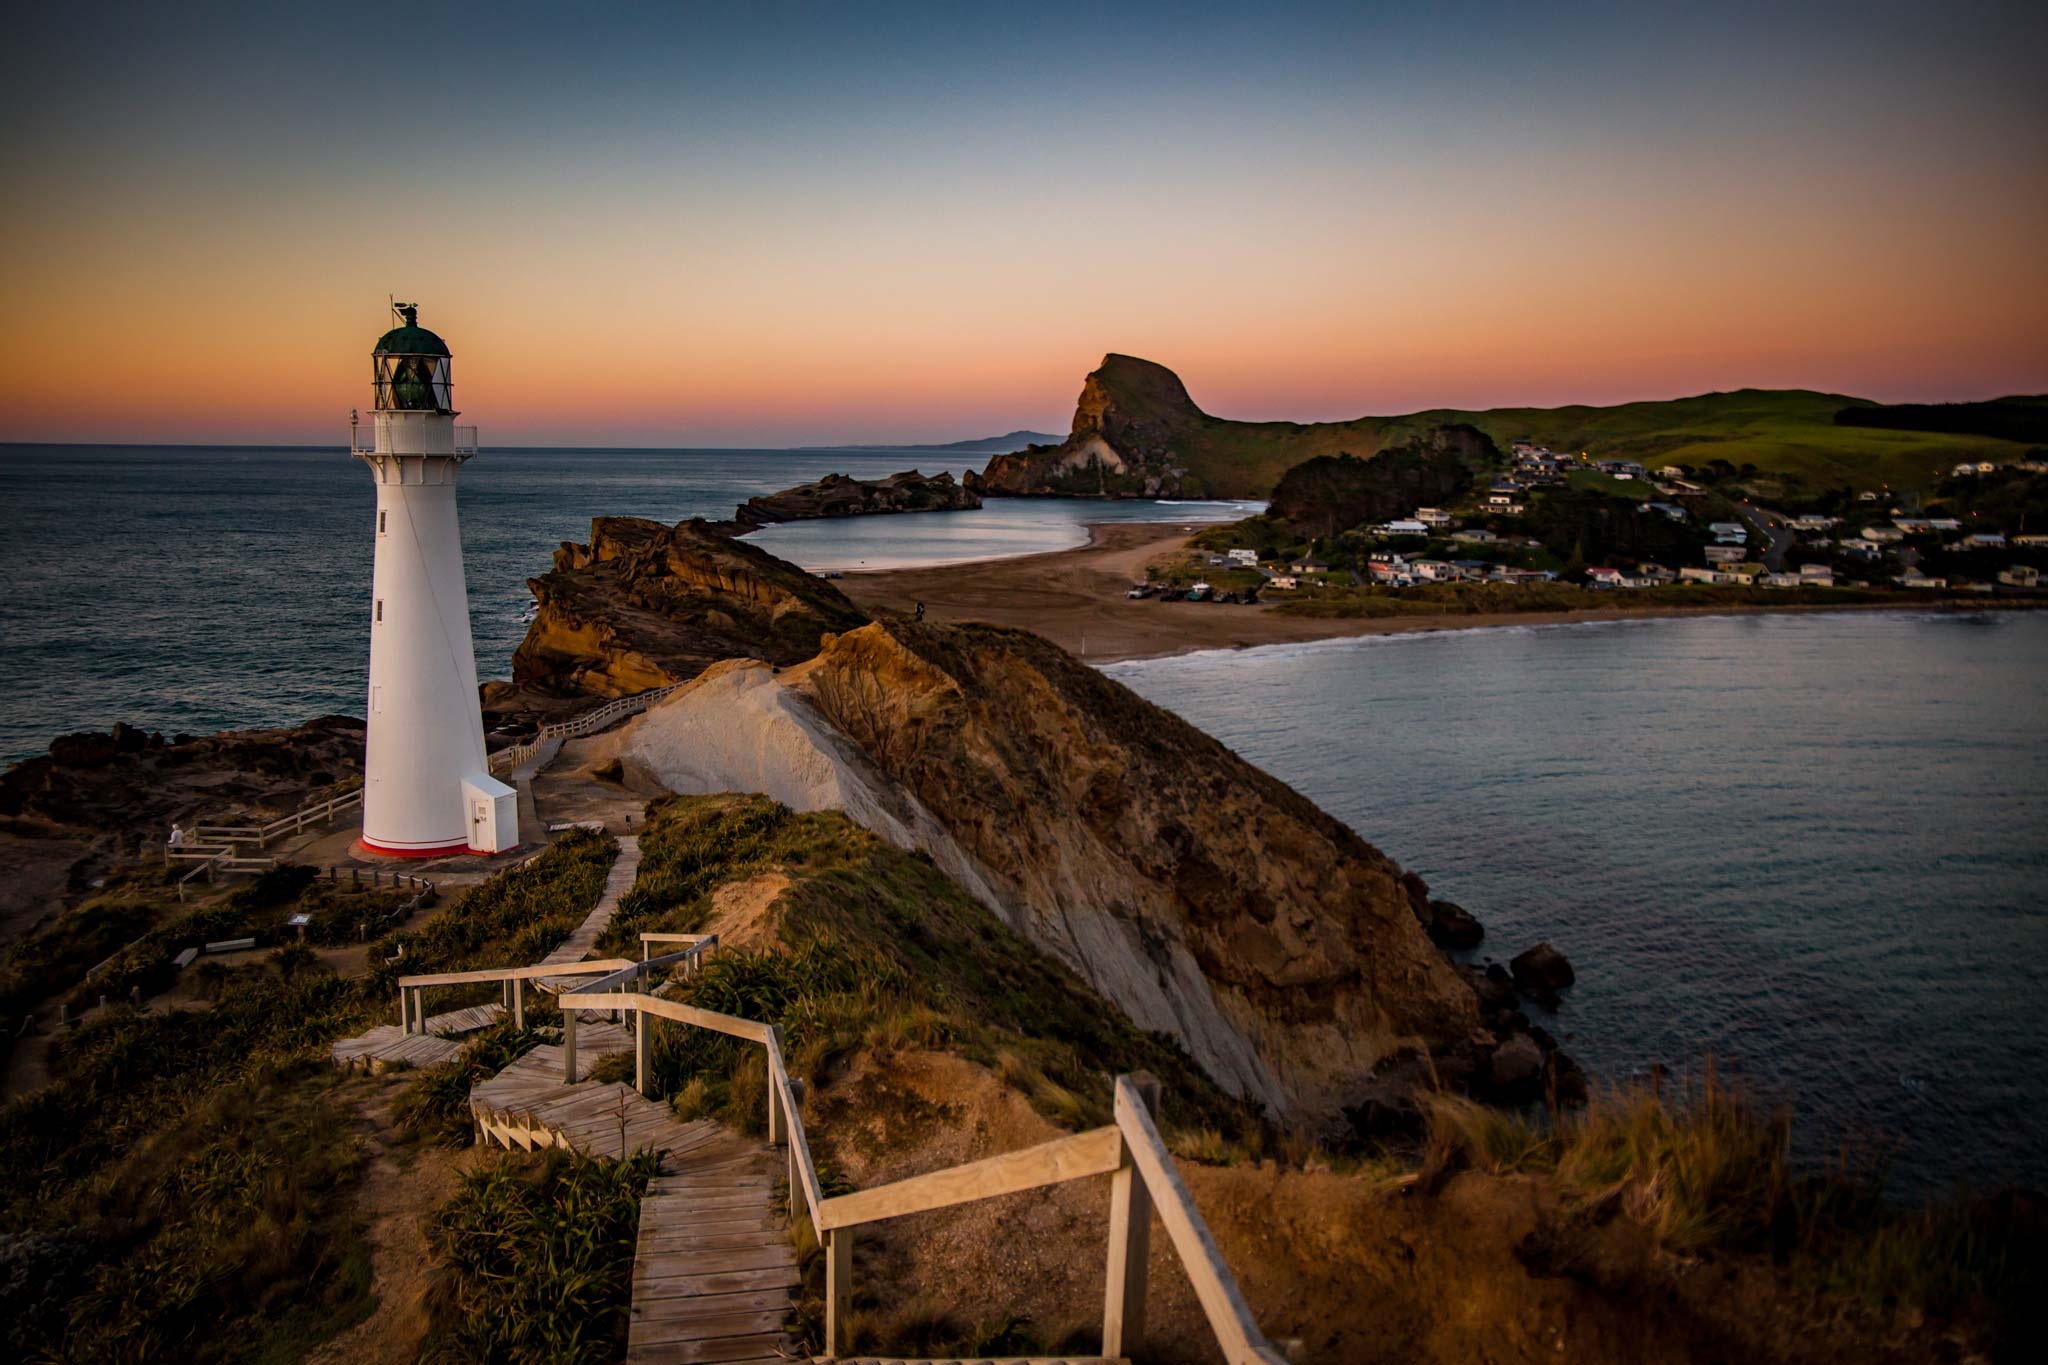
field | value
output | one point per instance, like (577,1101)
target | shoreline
(1075,598)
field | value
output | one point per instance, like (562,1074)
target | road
(1776,529)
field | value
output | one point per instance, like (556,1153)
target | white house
(1915,579)
(1814,521)
(1285,580)
(1248,558)
(1859,545)
(1728,530)
(1691,575)
(1474,536)
(1432,516)
(1884,535)
(1725,554)
(1407,526)
(2021,576)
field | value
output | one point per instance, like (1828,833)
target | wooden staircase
(389,1045)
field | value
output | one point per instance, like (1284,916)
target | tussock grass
(1708,1172)
(434,1106)
(179,1189)
(876,948)
(540,1250)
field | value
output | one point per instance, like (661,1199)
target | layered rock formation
(643,605)
(838,495)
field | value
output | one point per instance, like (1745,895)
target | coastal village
(1672,527)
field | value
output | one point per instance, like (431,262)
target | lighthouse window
(380,523)
(380,609)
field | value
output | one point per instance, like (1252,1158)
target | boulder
(1542,968)
(839,495)
(1454,928)
(1515,1071)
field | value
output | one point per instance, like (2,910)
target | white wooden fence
(589,723)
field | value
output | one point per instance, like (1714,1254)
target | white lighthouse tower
(427,788)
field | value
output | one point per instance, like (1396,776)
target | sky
(766,225)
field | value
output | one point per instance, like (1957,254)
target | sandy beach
(1076,599)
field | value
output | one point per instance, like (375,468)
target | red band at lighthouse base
(438,851)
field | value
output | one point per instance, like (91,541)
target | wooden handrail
(540,969)
(587,723)
(1215,1287)
(1131,1151)
(1095,1152)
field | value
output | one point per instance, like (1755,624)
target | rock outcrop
(1206,899)
(838,495)
(68,815)
(1130,426)
(644,604)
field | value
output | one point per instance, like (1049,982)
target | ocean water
(1814,847)
(197,589)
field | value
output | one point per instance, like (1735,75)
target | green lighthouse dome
(410,339)
(410,367)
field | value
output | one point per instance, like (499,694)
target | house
(2021,576)
(1672,471)
(1285,581)
(1964,470)
(1691,575)
(1913,578)
(1982,540)
(1814,521)
(1603,578)
(1475,536)
(1725,554)
(2030,540)
(1817,575)
(1866,497)
(1943,524)
(1435,570)
(1884,535)
(1671,510)
(1862,547)
(1309,565)
(1248,558)
(1913,526)
(1742,580)
(1506,501)
(1432,516)
(1728,532)
(1405,527)
(1656,574)
(1783,580)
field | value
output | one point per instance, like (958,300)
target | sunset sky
(765,225)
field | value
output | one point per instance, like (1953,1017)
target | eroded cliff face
(1129,423)
(1205,898)
(644,605)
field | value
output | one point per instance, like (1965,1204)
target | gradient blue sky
(773,224)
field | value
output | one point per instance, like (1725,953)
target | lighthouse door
(479,824)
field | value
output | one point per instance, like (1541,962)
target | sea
(192,589)
(1812,848)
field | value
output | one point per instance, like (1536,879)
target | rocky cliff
(838,495)
(1207,899)
(644,604)
(1131,426)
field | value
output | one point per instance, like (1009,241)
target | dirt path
(401,1187)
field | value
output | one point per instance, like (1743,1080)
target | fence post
(1130,1243)
(838,1288)
(777,1120)
(568,1046)
(518,985)
(643,1052)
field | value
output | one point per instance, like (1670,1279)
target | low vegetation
(181,1186)
(872,946)
(1469,599)
(540,1254)
(1708,1173)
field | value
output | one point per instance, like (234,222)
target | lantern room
(410,368)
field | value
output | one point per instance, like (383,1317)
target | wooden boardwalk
(714,1272)
(576,947)
(388,1045)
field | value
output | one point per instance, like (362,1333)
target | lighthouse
(427,788)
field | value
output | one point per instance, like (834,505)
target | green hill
(1138,433)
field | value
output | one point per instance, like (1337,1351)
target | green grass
(540,1255)
(1784,431)
(878,948)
